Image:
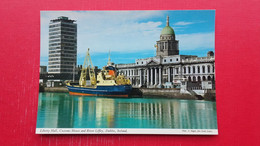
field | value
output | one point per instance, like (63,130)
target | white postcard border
(126,131)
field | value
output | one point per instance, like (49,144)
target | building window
(142,62)
(184,70)
(177,59)
(177,70)
(203,69)
(171,60)
(213,69)
(189,70)
(208,69)
(193,69)
(199,78)
(164,60)
(136,62)
(198,69)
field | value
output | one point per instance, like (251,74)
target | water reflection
(60,110)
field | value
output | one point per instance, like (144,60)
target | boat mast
(87,66)
(83,75)
(109,60)
(91,70)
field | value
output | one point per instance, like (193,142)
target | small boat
(107,83)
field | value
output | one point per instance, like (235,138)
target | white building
(62,45)
(168,66)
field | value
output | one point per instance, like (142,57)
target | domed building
(168,68)
(167,45)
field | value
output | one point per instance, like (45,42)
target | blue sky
(131,35)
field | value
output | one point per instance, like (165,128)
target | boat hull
(119,90)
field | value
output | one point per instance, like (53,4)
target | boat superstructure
(106,83)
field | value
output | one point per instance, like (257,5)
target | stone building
(168,67)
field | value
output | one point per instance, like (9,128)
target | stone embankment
(54,89)
(147,92)
(156,92)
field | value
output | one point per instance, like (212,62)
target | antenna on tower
(109,60)
(167,21)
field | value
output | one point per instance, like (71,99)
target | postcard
(127,72)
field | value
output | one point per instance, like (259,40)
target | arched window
(194,78)
(189,70)
(213,69)
(198,69)
(203,69)
(208,69)
(209,78)
(199,79)
(193,69)
(189,78)
(184,70)
(203,78)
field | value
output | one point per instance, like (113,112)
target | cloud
(104,30)
(121,31)
(183,23)
(196,41)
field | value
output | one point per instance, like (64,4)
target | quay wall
(164,92)
(148,92)
(56,89)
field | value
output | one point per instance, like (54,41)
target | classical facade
(168,67)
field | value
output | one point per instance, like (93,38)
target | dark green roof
(167,30)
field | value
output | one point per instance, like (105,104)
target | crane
(87,66)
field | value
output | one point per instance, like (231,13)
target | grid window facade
(62,45)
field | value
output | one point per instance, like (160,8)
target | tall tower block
(62,45)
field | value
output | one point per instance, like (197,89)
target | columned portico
(147,77)
(151,76)
(173,73)
(160,76)
(156,76)
(168,66)
(140,76)
(169,74)
(180,70)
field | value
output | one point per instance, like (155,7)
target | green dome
(167,30)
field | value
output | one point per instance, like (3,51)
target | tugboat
(107,83)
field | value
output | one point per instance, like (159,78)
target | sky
(131,35)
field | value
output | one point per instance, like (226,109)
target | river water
(61,110)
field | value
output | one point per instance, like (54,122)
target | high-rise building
(62,45)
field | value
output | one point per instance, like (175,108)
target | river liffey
(61,110)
